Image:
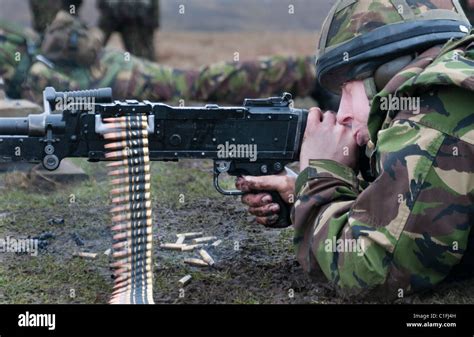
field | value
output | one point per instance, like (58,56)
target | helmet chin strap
(373,85)
(364,165)
(370,88)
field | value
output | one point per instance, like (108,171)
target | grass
(25,211)
(53,274)
(29,280)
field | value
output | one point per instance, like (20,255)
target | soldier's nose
(344,119)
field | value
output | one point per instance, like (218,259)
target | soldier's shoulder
(445,88)
(453,66)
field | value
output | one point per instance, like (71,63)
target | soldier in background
(136,21)
(43,12)
(86,65)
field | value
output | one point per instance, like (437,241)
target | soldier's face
(354,110)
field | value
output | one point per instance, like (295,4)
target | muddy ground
(253,264)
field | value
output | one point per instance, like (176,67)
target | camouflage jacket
(17,47)
(27,73)
(410,227)
(135,78)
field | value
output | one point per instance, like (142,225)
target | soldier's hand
(324,138)
(261,204)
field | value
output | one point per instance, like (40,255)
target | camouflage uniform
(132,77)
(412,225)
(140,79)
(136,21)
(16,48)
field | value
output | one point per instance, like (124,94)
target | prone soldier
(71,57)
(406,79)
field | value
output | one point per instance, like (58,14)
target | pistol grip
(284,219)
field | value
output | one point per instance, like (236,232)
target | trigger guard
(221,190)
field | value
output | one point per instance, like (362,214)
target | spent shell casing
(180,240)
(188,248)
(185,280)
(206,257)
(85,255)
(172,246)
(216,243)
(196,262)
(190,235)
(205,239)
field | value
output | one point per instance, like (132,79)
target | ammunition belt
(127,148)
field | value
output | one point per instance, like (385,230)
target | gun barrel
(14,126)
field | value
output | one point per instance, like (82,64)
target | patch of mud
(253,264)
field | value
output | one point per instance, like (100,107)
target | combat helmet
(374,39)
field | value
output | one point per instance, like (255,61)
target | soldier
(136,21)
(406,76)
(61,63)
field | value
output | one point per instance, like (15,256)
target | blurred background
(213,30)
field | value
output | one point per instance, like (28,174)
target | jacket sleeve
(270,76)
(407,229)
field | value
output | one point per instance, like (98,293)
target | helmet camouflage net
(359,36)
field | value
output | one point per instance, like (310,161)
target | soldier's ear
(387,71)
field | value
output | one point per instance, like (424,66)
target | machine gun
(72,125)
(258,138)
